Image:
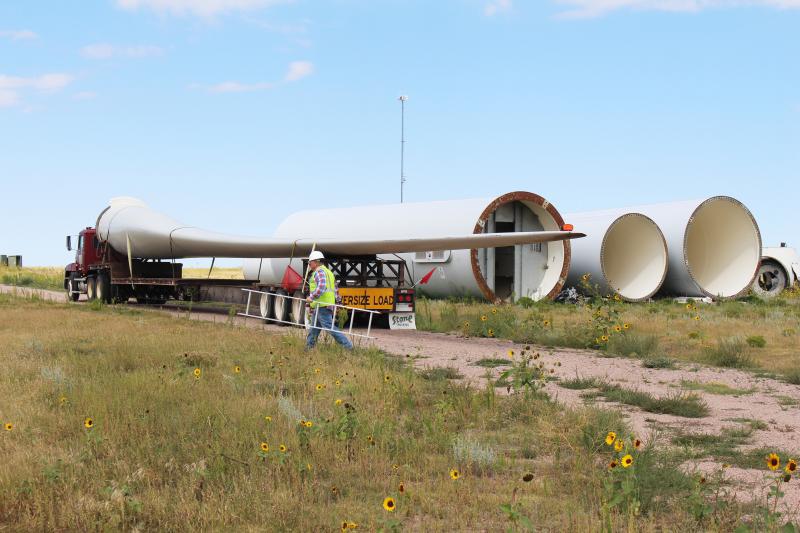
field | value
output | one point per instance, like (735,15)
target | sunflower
(388,504)
(637,443)
(626,326)
(585,277)
(401,487)
(320,386)
(627,461)
(317,370)
(387,378)
(613,464)
(370,439)
(268,418)
(309,423)
(619,445)
(604,338)
(338,382)
(546,323)
(490,332)
(264,447)
(302,421)
(198,373)
(352,525)
(610,438)
(484,318)
(688,307)
(395,467)
(617,298)
(9,426)
(494,310)
(338,401)
(773,461)
(88,423)
(466,325)
(511,353)
(282,448)
(697,317)
(62,400)
(617,328)
(791,466)
(344,525)
(694,308)
(454,474)
(237,369)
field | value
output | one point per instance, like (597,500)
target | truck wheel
(283,306)
(267,305)
(770,281)
(103,288)
(298,309)
(91,288)
(72,288)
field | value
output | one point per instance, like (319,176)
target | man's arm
(319,277)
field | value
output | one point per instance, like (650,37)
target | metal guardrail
(349,331)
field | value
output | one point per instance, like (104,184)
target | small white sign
(402,321)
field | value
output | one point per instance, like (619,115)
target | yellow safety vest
(329,296)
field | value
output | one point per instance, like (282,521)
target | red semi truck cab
(86,254)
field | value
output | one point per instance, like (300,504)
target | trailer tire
(299,309)
(72,288)
(771,280)
(103,287)
(283,306)
(267,305)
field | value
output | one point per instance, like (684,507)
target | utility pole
(402,142)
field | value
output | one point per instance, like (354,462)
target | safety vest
(329,296)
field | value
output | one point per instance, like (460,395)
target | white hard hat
(315,256)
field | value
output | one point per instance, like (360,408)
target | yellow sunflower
(627,461)
(387,378)
(688,307)
(317,370)
(352,525)
(388,504)
(490,332)
(610,438)
(617,328)
(484,318)
(320,386)
(697,317)
(88,423)
(585,277)
(338,401)
(626,326)
(9,426)
(335,491)
(338,382)
(619,445)
(264,447)
(546,323)
(62,400)
(309,423)
(773,461)
(237,369)
(494,310)
(466,325)
(511,353)
(268,418)
(282,448)
(454,474)
(198,373)
(616,298)
(791,466)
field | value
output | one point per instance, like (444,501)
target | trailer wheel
(72,288)
(267,305)
(298,309)
(91,288)
(771,280)
(283,306)
(103,288)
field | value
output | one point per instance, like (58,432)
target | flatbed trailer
(104,274)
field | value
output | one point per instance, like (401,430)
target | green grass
(440,373)
(687,405)
(33,277)
(715,388)
(492,362)
(633,345)
(731,352)
(169,451)
(579,383)
(659,362)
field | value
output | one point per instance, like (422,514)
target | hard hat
(315,256)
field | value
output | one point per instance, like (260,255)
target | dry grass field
(120,418)
(750,333)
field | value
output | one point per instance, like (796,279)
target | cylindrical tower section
(626,254)
(533,270)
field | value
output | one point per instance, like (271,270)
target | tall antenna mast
(402,142)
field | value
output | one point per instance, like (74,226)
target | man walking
(322,298)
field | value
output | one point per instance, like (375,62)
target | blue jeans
(324,318)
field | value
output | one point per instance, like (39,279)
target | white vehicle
(779,270)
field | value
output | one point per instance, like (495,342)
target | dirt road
(768,401)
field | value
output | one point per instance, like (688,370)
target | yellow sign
(369,298)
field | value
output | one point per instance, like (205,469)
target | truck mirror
(69,243)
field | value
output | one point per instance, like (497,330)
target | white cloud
(236,87)
(496,6)
(299,70)
(18,35)
(202,8)
(11,86)
(107,51)
(597,8)
(85,95)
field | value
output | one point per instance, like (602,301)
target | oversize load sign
(377,298)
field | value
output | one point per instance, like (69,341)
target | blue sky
(231,114)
